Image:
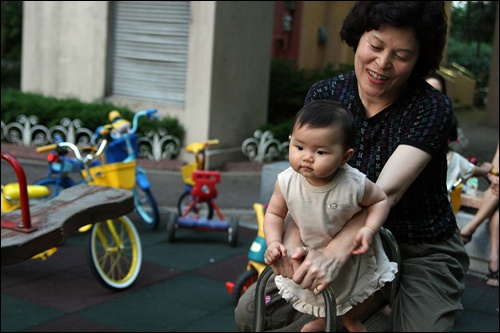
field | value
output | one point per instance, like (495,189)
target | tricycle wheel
(115,252)
(146,207)
(245,280)
(171,225)
(201,209)
(233,231)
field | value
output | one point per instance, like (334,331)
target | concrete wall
(329,15)
(64,48)
(241,68)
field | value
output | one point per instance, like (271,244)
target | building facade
(206,63)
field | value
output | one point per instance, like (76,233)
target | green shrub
(50,111)
(473,56)
(281,130)
(12,22)
(288,89)
(11,74)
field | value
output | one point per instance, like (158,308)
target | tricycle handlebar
(149,113)
(125,126)
(85,160)
(213,142)
(196,147)
(46,148)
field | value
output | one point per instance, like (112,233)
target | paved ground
(181,287)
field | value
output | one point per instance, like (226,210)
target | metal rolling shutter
(149,46)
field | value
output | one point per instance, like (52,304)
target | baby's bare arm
(274,222)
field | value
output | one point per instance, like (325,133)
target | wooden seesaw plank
(57,219)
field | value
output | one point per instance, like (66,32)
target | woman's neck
(375,104)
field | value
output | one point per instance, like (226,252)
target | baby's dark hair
(323,113)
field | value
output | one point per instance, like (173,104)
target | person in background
(322,193)
(488,210)
(439,83)
(401,142)
(458,166)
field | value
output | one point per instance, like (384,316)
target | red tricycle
(203,192)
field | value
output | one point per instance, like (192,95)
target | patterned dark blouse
(420,118)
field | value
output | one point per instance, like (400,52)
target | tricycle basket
(187,173)
(121,174)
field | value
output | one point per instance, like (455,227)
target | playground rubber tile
(152,273)
(66,257)
(232,268)
(70,289)
(24,272)
(468,321)
(481,300)
(480,304)
(194,252)
(195,291)
(18,315)
(184,257)
(75,323)
(220,321)
(247,233)
(167,306)
(63,291)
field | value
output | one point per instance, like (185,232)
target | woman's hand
(319,268)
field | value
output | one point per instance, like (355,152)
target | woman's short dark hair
(427,18)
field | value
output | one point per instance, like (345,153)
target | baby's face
(316,153)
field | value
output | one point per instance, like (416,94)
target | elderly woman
(401,144)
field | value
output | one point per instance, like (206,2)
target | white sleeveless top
(320,213)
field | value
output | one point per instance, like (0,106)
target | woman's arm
(401,170)
(377,206)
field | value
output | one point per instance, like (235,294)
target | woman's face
(384,61)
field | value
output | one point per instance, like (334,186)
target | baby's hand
(363,240)
(275,250)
